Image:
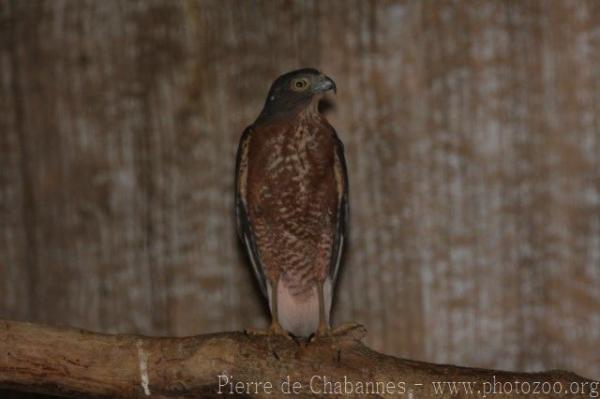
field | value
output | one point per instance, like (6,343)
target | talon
(276,329)
(322,332)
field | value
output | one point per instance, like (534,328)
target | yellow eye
(299,84)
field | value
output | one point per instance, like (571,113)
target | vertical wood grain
(472,138)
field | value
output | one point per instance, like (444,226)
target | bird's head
(296,91)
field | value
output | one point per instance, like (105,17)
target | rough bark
(77,363)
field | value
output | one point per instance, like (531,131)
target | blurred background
(472,133)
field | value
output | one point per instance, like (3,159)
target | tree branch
(76,363)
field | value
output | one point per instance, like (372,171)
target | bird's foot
(276,329)
(323,331)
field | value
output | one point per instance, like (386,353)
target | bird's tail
(300,314)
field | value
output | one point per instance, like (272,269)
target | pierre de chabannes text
(324,385)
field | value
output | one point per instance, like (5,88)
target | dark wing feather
(342,211)
(243,224)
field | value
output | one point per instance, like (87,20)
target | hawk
(291,200)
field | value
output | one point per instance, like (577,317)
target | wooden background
(472,133)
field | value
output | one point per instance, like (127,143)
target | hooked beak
(325,84)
